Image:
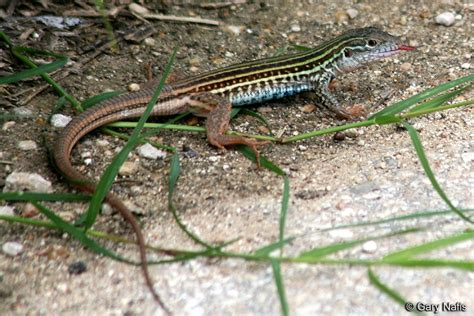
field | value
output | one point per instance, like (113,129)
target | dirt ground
(373,174)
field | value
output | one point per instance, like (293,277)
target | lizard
(212,95)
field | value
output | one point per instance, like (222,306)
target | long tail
(113,109)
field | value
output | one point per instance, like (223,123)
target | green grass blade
(173,179)
(111,172)
(284,207)
(429,173)
(87,103)
(280,287)
(38,70)
(78,234)
(256,115)
(266,250)
(394,295)
(429,246)
(439,100)
(34,196)
(431,263)
(319,252)
(402,105)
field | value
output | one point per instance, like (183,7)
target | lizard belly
(269,92)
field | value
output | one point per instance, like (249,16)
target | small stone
(234,29)
(107,209)
(468,157)
(24,181)
(229,54)
(138,9)
(339,136)
(341,16)
(302,147)
(133,87)
(128,168)
(60,120)
(264,109)
(27,145)
(295,28)
(341,233)
(30,211)
(189,152)
(445,18)
(405,67)
(7,210)
(369,246)
(102,142)
(23,111)
(12,248)
(8,125)
(77,267)
(213,158)
(466,66)
(352,13)
(308,108)
(149,41)
(150,152)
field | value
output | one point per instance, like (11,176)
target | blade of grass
(34,196)
(266,250)
(87,103)
(79,234)
(16,51)
(280,287)
(394,295)
(429,173)
(429,246)
(320,252)
(439,100)
(402,105)
(107,178)
(173,179)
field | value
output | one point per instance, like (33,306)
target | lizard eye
(372,42)
(348,53)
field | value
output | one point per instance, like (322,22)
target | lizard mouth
(406,47)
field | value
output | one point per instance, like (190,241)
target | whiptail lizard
(212,94)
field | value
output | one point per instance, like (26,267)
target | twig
(187,19)
(218,5)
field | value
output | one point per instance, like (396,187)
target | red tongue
(406,47)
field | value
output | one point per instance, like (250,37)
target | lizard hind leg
(217,124)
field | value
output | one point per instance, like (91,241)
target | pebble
(352,13)
(107,209)
(341,233)
(60,120)
(405,67)
(150,152)
(133,87)
(138,9)
(7,210)
(234,29)
(12,248)
(77,267)
(27,145)
(24,181)
(466,66)
(308,108)
(149,41)
(445,18)
(302,147)
(295,28)
(264,109)
(8,125)
(468,157)
(23,111)
(128,168)
(369,246)
(341,16)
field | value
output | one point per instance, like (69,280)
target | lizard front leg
(325,99)
(217,109)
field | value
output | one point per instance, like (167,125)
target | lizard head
(359,47)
